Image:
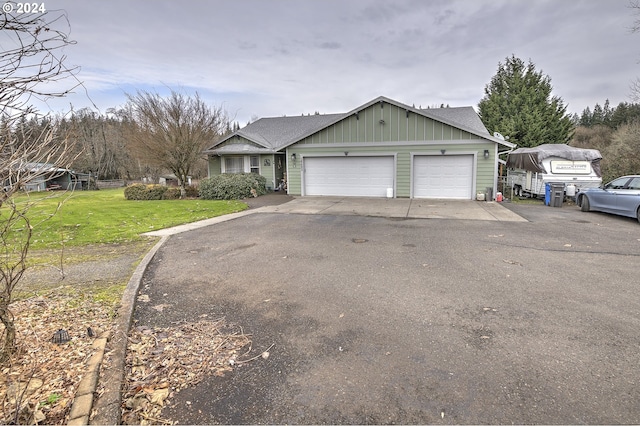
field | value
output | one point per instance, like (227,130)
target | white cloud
(277,57)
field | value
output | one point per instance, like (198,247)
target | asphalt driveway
(396,320)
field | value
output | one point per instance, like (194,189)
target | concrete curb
(107,406)
(83,400)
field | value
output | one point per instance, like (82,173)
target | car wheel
(584,203)
(638,214)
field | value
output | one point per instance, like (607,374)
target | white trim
(424,113)
(474,169)
(495,172)
(395,144)
(259,163)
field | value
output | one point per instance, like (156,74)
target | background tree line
(106,144)
(615,132)
(519,104)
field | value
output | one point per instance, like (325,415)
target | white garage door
(348,176)
(443,176)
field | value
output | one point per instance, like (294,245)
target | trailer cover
(531,158)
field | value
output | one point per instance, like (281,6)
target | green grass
(105,216)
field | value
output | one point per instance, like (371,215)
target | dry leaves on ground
(38,384)
(163,361)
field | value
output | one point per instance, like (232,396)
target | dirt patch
(75,298)
(86,267)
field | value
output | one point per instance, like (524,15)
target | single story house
(380,149)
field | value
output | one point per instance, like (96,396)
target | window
(635,183)
(617,183)
(255,164)
(233,165)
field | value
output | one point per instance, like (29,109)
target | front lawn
(84,248)
(105,216)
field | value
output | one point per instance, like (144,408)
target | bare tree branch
(635,86)
(172,132)
(635,6)
(635,90)
(30,66)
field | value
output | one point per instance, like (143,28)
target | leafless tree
(622,156)
(172,132)
(102,141)
(635,28)
(29,67)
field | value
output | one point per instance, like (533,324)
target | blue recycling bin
(547,194)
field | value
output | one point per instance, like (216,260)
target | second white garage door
(348,176)
(443,176)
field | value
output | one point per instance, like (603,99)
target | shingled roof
(275,133)
(464,117)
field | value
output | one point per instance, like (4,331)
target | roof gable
(276,133)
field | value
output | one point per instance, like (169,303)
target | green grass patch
(525,200)
(105,216)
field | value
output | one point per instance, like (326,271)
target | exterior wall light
(486,153)
(293,156)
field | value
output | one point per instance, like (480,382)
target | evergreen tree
(518,103)
(586,117)
(607,113)
(598,115)
(625,113)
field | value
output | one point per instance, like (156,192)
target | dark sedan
(620,196)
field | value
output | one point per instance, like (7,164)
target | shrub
(171,193)
(233,186)
(139,191)
(192,191)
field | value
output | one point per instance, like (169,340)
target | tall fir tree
(518,103)
(585,118)
(597,118)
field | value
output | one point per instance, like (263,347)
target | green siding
(400,133)
(485,168)
(215,165)
(238,141)
(266,170)
(268,167)
(397,126)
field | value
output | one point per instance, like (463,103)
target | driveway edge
(107,405)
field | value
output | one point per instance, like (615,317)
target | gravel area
(88,266)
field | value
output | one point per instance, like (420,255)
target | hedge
(139,191)
(232,186)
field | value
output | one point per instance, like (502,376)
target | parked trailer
(529,170)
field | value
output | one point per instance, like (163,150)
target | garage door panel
(446,176)
(349,176)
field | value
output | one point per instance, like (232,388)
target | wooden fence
(115,183)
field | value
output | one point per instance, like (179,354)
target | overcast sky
(261,58)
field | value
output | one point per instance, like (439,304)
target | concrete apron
(398,208)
